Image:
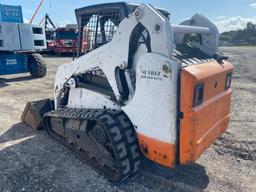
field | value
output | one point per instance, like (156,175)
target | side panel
(9,37)
(80,98)
(17,37)
(153,109)
(158,151)
(204,123)
(32,37)
(12,64)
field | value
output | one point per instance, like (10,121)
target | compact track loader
(144,86)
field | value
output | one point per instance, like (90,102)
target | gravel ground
(31,161)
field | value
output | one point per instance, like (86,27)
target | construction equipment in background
(60,39)
(148,88)
(37,9)
(65,40)
(49,28)
(47,21)
(20,44)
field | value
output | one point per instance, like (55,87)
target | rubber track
(120,132)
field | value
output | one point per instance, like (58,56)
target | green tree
(250,26)
(245,36)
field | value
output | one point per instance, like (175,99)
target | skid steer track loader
(144,86)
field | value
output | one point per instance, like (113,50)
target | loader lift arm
(161,43)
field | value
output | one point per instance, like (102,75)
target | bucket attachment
(34,112)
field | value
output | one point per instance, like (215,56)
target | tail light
(198,94)
(228,81)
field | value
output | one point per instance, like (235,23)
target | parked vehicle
(65,40)
(20,44)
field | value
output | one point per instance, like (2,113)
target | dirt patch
(245,150)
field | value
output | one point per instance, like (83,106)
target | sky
(226,14)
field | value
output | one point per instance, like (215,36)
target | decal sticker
(11,62)
(154,75)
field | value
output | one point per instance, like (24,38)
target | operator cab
(98,23)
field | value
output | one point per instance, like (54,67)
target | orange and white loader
(144,87)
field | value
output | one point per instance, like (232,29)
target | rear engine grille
(189,55)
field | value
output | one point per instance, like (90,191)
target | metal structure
(49,28)
(18,44)
(37,9)
(148,88)
(47,21)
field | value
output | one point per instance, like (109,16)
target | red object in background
(51,45)
(88,39)
(65,41)
(84,41)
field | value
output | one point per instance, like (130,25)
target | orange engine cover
(202,124)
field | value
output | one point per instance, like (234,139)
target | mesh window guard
(99,28)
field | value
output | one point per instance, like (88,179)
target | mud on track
(31,161)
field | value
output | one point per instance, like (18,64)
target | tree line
(241,36)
